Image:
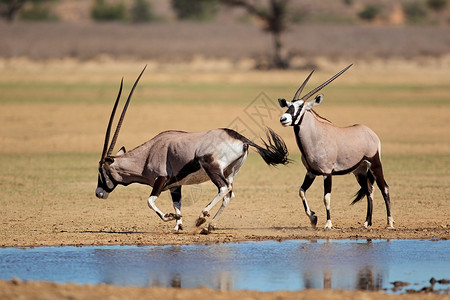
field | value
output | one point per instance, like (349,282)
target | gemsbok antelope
(329,150)
(175,158)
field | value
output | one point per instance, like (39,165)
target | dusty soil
(42,290)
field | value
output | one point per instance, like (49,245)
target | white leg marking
(327,201)
(303,197)
(222,192)
(328,225)
(225,202)
(151,203)
(390,222)
(178,225)
(312,218)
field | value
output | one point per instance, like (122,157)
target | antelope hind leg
(175,193)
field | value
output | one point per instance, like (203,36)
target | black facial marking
(291,110)
(294,117)
(102,180)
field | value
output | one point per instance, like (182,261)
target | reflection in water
(358,265)
(369,281)
(263,266)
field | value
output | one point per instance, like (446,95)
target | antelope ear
(318,100)
(283,102)
(121,151)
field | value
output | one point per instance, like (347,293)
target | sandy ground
(41,290)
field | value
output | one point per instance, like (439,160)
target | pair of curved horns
(307,96)
(105,152)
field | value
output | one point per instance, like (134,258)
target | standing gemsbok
(329,150)
(175,158)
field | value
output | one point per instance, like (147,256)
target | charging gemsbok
(329,150)
(175,158)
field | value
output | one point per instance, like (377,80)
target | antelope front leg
(157,189)
(327,199)
(309,179)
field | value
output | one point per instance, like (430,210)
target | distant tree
(9,9)
(141,11)
(199,10)
(274,17)
(415,11)
(41,11)
(369,12)
(437,5)
(104,11)
(348,2)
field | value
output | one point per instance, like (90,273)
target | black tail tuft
(366,183)
(274,151)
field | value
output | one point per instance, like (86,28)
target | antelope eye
(291,109)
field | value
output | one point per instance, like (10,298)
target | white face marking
(286,118)
(301,113)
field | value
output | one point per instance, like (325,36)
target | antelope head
(298,106)
(106,182)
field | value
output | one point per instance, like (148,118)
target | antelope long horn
(307,96)
(111,119)
(300,89)
(119,124)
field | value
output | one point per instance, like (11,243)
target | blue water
(262,266)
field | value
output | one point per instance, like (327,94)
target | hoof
(178,229)
(172,216)
(205,231)
(211,228)
(390,223)
(366,224)
(200,221)
(208,230)
(328,225)
(313,220)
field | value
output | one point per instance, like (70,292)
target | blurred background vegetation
(279,21)
(300,11)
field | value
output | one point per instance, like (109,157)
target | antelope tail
(274,151)
(366,183)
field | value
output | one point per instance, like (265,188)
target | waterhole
(262,266)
